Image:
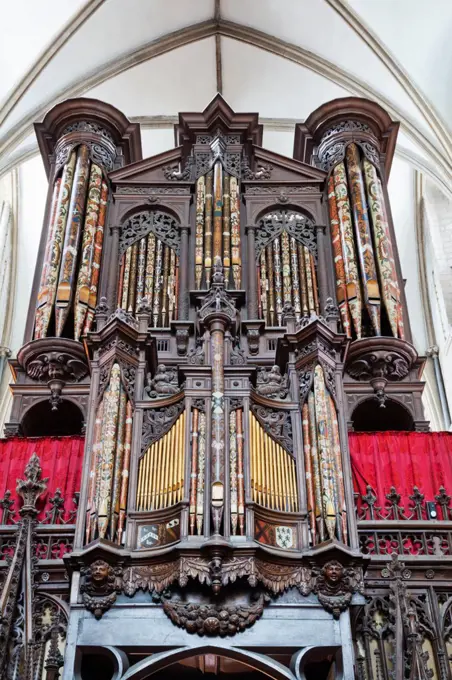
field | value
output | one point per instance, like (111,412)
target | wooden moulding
(126,135)
(384,130)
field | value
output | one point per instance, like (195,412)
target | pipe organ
(215,398)
(218,227)
(367,288)
(71,266)
(286,266)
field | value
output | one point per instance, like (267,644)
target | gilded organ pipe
(161,470)
(273,471)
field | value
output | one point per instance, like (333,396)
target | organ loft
(213,334)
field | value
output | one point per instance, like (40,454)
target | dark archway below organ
(41,421)
(368,416)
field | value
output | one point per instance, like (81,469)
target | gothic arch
(148,667)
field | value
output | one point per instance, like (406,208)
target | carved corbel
(334,586)
(100,585)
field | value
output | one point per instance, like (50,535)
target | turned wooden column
(184,307)
(113,268)
(322,269)
(252,279)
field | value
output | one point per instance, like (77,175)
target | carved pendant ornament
(214,619)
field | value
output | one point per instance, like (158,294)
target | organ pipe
(70,272)
(236,478)
(198,462)
(110,463)
(217,227)
(366,278)
(287,275)
(149,268)
(161,470)
(273,473)
(323,464)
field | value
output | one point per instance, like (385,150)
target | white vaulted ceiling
(280,58)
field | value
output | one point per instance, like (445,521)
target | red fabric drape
(402,460)
(61,460)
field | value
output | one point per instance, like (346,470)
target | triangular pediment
(278,168)
(150,170)
(217,133)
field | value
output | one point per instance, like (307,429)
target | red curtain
(402,460)
(61,460)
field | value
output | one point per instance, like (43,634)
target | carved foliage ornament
(163,225)
(391,365)
(158,421)
(88,126)
(214,619)
(295,223)
(332,154)
(153,191)
(277,424)
(101,154)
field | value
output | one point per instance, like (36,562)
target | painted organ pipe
(366,279)
(287,275)
(237,488)
(150,268)
(273,472)
(323,464)
(110,463)
(198,466)
(70,272)
(161,470)
(217,227)
(218,425)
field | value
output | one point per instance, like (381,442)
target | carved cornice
(53,359)
(328,129)
(83,119)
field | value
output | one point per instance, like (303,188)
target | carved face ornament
(99,572)
(333,572)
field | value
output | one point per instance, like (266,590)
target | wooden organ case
(217,312)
